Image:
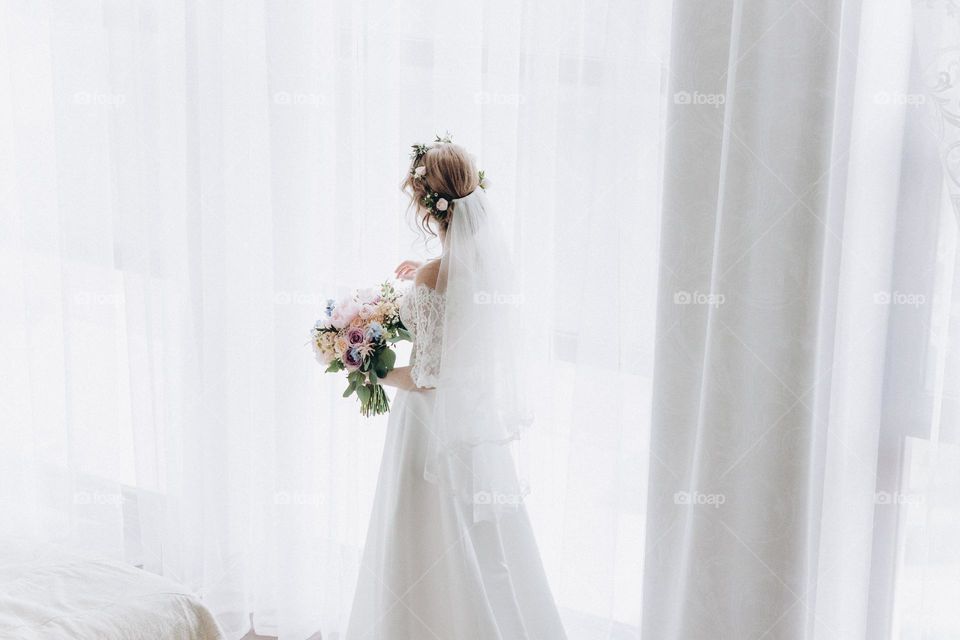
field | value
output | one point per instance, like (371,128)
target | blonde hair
(450,172)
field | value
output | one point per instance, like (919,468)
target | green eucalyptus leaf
(387,358)
(363,392)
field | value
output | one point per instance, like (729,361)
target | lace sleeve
(428,311)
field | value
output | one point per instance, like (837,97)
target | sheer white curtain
(804,441)
(182,186)
(748,202)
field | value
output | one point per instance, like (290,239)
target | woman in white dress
(450,553)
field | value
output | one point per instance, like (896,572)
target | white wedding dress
(431,570)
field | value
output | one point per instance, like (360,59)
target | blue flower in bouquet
(374,331)
(331,303)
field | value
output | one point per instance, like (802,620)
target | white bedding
(48,592)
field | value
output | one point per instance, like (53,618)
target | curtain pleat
(795,456)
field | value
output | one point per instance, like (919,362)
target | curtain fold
(795,464)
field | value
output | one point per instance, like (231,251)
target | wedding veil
(480,409)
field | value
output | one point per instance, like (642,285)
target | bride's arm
(407,269)
(426,274)
(400,378)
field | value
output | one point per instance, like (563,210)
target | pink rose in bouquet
(343,313)
(356,336)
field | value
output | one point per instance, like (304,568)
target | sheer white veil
(480,404)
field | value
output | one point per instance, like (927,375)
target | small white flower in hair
(442,204)
(419,172)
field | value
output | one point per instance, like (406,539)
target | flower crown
(438,205)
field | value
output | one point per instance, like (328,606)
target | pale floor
(253,636)
(577,625)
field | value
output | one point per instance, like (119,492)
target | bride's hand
(407,269)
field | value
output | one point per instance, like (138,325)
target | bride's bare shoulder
(427,274)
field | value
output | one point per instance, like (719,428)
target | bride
(450,553)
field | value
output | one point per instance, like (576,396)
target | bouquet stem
(377,403)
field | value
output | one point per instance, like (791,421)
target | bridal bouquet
(357,334)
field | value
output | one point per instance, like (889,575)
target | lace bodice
(421,310)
